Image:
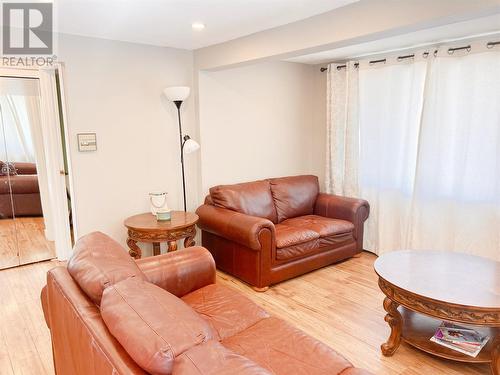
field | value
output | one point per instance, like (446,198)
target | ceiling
(484,26)
(168,22)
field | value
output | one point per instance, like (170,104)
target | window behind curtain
(428,135)
(390,107)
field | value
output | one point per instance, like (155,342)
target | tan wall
(319,127)
(114,89)
(261,121)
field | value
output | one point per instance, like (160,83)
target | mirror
(25,230)
(9,253)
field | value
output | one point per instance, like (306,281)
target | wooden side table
(145,228)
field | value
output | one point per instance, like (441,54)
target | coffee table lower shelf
(418,329)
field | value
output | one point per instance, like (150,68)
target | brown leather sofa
(25,192)
(267,231)
(109,314)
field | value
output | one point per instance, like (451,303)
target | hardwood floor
(8,244)
(23,241)
(340,305)
(25,346)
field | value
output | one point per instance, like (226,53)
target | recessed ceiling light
(198,26)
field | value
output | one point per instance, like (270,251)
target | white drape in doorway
(420,140)
(51,131)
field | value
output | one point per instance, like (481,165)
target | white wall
(259,121)
(113,88)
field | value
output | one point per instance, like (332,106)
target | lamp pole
(178,104)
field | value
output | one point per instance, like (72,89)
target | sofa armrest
(338,207)
(45,305)
(351,209)
(232,225)
(180,272)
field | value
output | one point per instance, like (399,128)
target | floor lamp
(178,95)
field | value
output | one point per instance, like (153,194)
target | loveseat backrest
(250,198)
(294,196)
(276,199)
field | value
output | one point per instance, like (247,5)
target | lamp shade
(177,93)
(190,146)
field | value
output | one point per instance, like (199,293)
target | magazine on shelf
(465,340)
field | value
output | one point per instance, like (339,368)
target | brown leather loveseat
(267,231)
(22,182)
(109,314)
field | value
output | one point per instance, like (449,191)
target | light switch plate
(87,142)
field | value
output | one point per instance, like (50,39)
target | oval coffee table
(423,288)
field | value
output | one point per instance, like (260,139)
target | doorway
(34,198)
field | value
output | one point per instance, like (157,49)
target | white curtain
(342,134)
(19,101)
(426,135)
(17,129)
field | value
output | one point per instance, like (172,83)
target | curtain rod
(468,47)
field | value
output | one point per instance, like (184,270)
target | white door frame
(19,73)
(51,129)
(67,145)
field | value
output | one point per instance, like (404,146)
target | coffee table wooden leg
(135,251)
(189,240)
(495,358)
(172,245)
(156,248)
(395,321)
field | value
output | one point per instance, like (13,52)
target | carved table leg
(189,240)
(156,248)
(135,251)
(495,358)
(172,245)
(395,321)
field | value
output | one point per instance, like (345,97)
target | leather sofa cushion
(332,232)
(297,251)
(212,358)
(267,341)
(287,235)
(294,196)
(336,240)
(250,198)
(151,324)
(324,226)
(97,262)
(227,311)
